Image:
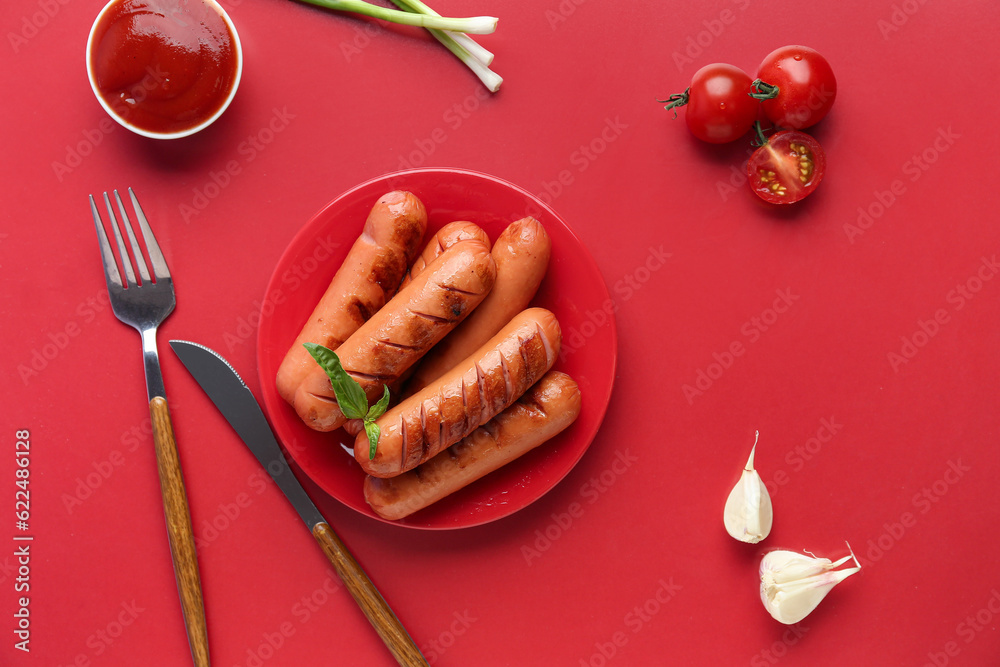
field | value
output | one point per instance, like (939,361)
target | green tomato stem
(676,100)
(760,139)
(763,91)
(477,25)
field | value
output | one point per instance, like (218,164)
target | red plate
(573,289)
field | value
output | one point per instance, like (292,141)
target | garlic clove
(748,514)
(792,585)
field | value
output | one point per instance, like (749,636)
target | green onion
(450,32)
(477,25)
(481,54)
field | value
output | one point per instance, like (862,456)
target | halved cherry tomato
(719,106)
(796,87)
(787,168)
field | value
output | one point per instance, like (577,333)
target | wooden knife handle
(368,598)
(182,549)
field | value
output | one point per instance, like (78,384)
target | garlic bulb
(792,585)
(748,515)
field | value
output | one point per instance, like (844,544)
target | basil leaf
(350,396)
(377,410)
(372,431)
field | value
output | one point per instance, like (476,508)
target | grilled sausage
(446,237)
(402,331)
(366,280)
(547,408)
(522,254)
(465,398)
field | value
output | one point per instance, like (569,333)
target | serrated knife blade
(236,402)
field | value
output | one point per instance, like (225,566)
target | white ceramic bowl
(238,48)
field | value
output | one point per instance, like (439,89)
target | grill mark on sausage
(405,441)
(492,428)
(466,417)
(481,382)
(432,318)
(458,290)
(545,341)
(387,271)
(529,400)
(368,377)
(523,351)
(359,311)
(423,417)
(409,234)
(320,397)
(507,382)
(441,420)
(399,346)
(424,444)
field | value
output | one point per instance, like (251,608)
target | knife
(237,404)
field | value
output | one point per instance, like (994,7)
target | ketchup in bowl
(164,68)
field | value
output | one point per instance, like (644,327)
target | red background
(352,99)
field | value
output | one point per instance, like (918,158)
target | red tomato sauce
(164,65)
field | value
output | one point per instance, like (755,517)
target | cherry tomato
(796,87)
(719,106)
(787,168)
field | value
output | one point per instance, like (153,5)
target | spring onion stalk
(490,79)
(476,25)
(480,53)
(475,58)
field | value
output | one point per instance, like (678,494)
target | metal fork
(144,304)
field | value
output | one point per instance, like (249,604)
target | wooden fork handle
(182,548)
(379,614)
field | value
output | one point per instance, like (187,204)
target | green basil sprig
(350,396)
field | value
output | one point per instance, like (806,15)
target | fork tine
(126,264)
(107,256)
(140,262)
(160,269)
